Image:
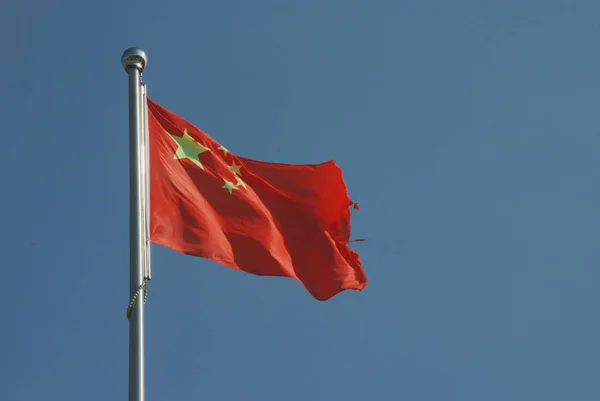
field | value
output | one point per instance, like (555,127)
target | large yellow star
(236,168)
(188,148)
(229,186)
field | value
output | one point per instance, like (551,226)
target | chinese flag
(267,219)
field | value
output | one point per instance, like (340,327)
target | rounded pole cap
(134,57)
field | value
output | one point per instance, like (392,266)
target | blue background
(467,131)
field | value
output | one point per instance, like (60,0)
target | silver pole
(134,62)
(145,140)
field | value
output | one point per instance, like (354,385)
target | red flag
(264,218)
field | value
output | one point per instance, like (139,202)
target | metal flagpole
(134,61)
(146,182)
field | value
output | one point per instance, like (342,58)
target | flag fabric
(263,218)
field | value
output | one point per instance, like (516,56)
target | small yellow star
(236,168)
(224,149)
(228,186)
(239,183)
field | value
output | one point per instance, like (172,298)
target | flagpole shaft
(134,62)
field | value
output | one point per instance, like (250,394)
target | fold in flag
(267,219)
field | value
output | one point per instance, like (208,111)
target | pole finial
(134,57)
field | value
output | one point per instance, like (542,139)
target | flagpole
(134,61)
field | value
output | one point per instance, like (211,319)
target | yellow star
(239,183)
(236,168)
(188,148)
(224,149)
(228,186)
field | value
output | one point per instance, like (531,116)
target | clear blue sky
(468,132)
